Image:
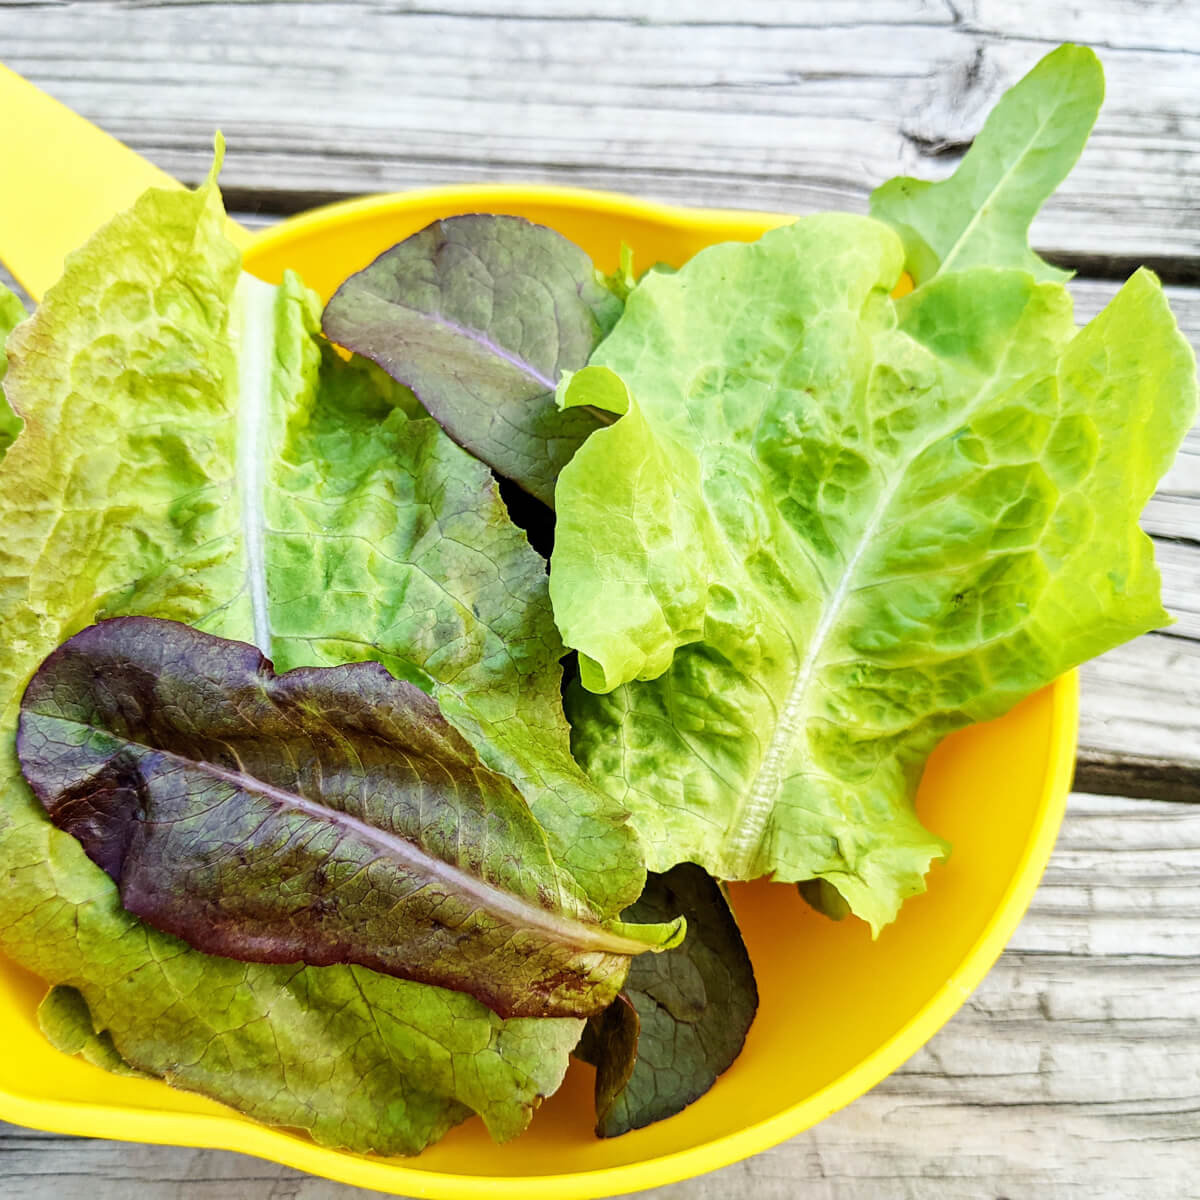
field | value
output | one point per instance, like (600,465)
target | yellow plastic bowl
(838,1011)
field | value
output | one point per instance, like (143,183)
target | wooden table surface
(1074,1071)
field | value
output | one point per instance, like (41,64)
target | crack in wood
(1176,269)
(1142,779)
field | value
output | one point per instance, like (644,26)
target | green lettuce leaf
(224,468)
(833,527)
(12,313)
(480,314)
(324,815)
(682,1018)
(66,1021)
(981,215)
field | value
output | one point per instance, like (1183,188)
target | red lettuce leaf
(480,315)
(323,815)
(682,1017)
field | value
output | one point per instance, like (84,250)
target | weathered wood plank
(1073,1072)
(779,104)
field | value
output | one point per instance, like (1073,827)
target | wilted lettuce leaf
(191,452)
(12,312)
(981,215)
(479,315)
(682,1019)
(833,527)
(325,815)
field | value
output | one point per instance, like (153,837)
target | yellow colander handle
(63,178)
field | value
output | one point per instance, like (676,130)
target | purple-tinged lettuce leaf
(325,815)
(833,527)
(479,315)
(191,451)
(610,1044)
(980,216)
(681,1019)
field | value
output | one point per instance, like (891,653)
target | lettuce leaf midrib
(492,346)
(982,211)
(970,512)
(252,333)
(748,823)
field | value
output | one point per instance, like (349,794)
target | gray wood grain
(1073,1073)
(791,105)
